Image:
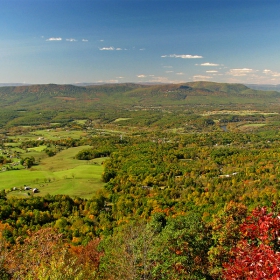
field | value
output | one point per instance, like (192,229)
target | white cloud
(240,72)
(84,40)
(212,71)
(201,77)
(167,66)
(107,49)
(209,64)
(71,40)
(112,49)
(180,73)
(142,49)
(169,71)
(141,76)
(160,80)
(54,39)
(272,73)
(184,56)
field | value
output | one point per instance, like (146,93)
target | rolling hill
(35,104)
(108,94)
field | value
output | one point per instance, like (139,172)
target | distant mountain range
(129,94)
(13,84)
(74,84)
(265,87)
(35,104)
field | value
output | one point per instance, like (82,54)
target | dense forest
(44,104)
(190,188)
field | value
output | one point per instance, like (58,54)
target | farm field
(60,174)
(238,112)
(50,134)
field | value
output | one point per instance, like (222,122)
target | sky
(116,41)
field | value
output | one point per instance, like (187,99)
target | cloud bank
(54,39)
(184,56)
(107,49)
(111,49)
(240,71)
(201,77)
(209,64)
(270,72)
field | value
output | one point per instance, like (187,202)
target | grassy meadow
(60,174)
(51,134)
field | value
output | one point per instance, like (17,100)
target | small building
(27,188)
(35,190)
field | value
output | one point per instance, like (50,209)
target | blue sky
(69,41)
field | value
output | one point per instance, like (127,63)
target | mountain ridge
(131,93)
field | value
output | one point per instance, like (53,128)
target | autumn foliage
(257,255)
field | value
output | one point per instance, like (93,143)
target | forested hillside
(173,185)
(145,94)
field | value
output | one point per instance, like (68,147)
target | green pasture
(37,152)
(37,149)
(82,122)
(12,145)
(60,174)
(237,112)
(121,119)
(51,134)
(64,160)
(251,126)
(55,134)
(109,131)
(22,138)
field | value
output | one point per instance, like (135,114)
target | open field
(37,149)
(235,112)
(121,119)
(58,134)
(46,134)
(60,174)
(250,126)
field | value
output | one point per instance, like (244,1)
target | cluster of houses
(26,188)
(13,164)
(10,155)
